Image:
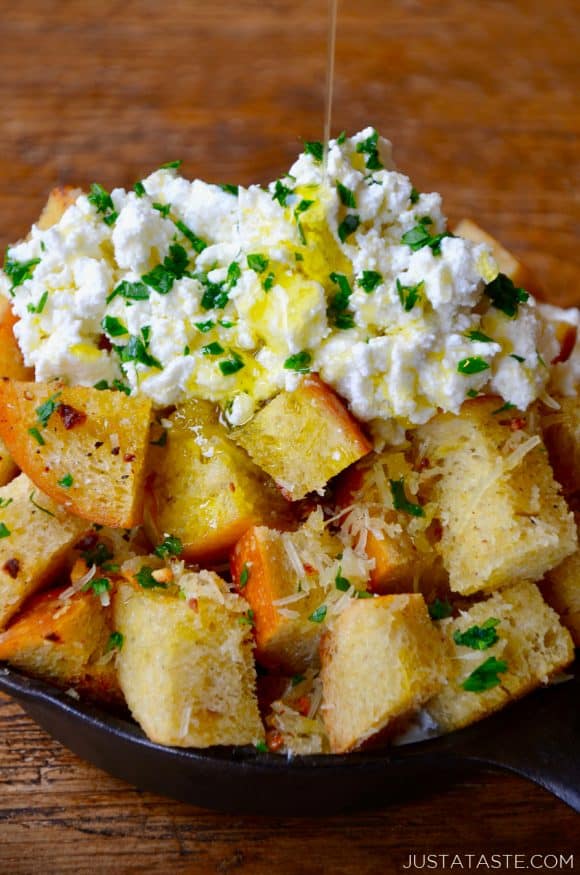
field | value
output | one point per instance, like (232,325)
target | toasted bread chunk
(64,642)
(59,200)
(11,361)
(508,264)
(503,518)
(303,438)
(381,661)
(531,646)
(561,589)
(204,489)
(8,469)
(37,536)
(186,666)
(561,430)
(84,448)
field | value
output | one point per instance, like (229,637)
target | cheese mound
(178,289)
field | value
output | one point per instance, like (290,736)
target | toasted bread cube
(507,263)
(64,641)
(186,666)
(37,536)
(561,589)
(8,469)
(303,438)
(531,645)
(561,429)
(204,489)
(59,200)
(502,515)
(83,447)
(381,661)
(261,568)
(11,361)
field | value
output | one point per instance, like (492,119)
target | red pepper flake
(115,451)
(517,424)
(129,457)
(274,740)
(193,604)
(232,487)
(105,343)
(71,416)
(309,569)
(302,705)
(12,567)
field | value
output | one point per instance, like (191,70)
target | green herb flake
(370,147)
(19,271)
(472,365)
(170,546)
(137,351)
(409,295)
(244,576)
(225,323)
(369,280)
(297,679)
(204,327)
(247,618)
(233,274)
(341,138)
(214,348)
(145,579)
(164,209)
(318,615)
(186,351)
(139,189)
(231,366)
(97,555)
(37,436)
(346,195)
(99,585)
(440,610)
(47,408)
(119,386)
(113,326)
(230,189)
(257,262)
(505,296)
(171,165)
(281,193)
(102,202)
(420,236)
(38,308)
(5,502)
(414,196)
(478,637)
(67,481)
(115,642)
(479,337)
(348,226)
(4,530)
(197,243)
(268,282)
(261,747)
(342,583)
(485,677)
(338,313)
(504,408)
(299,362)
(518,358)
(472,393)
(314,148)
(400,500)
(130,291)
(38,506)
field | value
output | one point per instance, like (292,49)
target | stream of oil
(330,58)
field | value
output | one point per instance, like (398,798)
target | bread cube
(8,469)
(264,574)
(561,429)
(186,666)
(381,661)
(204,489)
(502,515)
(83,447)
(64,641)
(11,361)
(531,647)
(59,200)
(561,589)
(36,538)
(303,438)
(507,263)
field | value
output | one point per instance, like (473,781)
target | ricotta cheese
(179,289)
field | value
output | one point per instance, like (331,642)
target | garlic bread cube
(36,538)
(502,515)
(65,641)
(561,429)
(500,649)
(507,262)
(8,469)
(11,361)
(59,200)
(561,589)
(204,489)
(186,666)
(83,447)
(303,438)
(381,661)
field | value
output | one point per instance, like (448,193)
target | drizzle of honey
(330,59)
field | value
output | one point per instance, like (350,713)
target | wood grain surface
(481,102)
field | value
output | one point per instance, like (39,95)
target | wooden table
(481,101)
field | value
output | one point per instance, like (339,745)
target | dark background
(481,102)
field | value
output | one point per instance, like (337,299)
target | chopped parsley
(204,327)
(231,366)
(479,337)
(485,677)
(5,502)
(281,193)
(19,271)
(472,365)
(440,610)
(268,282)
(130,291)
(370,148)
(171,165)
(409,295)
(420,236)
(257,262)
(247,618)
(230,189)
(314,148)
(119,386)
(37,436)
(414,196)
(297,679)
(145,579)
(38,308)
(100,198)
(164,209)
(214,348)
(67,481)
(472,393)
(341,138)
(97,555)
(171,546)
(197,243)
(478,637)
(504,408)
(505,296)
(342,583)
(369,280)
(139,189)
(115,641)
(98,585)
(338,313)
(174,267)
(113,326)
(299,362)
(303,205)
(400,500)
(137,351)
(38,506)
(318,615)
(244,576)
(261,747)
(47,408)
(346,195)
(4,530)
(518,358)
(348,226)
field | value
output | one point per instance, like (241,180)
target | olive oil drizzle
(330,59)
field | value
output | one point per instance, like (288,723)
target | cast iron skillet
(538,738)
